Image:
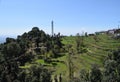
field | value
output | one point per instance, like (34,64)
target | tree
(96,38)
(70,63)
(110,71)
(9,70)
(84,75)
(86,34)
(38,74)
(79,43)
(55,78)
(9,40)
(112,67)
(95,74)
(11,50)
(60,78)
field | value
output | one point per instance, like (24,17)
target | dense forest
(36,56)
(16,52)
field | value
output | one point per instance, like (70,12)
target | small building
(101,32)
(117,31)
(111,31)
(91,34)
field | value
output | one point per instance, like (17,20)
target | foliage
(79,43)
(84,75)
(112,67)
(111,72)
(16,52)
(35,73)
(37,45)
(95,74)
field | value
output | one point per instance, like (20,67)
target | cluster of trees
(10,60)
(16,52)
(36,43)
(110,72)
(80,45)
(40,41)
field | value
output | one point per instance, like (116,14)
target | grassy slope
(97,51)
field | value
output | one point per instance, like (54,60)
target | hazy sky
(70,16)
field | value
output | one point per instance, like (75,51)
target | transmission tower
(52,26)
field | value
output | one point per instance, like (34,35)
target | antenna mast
(52,26)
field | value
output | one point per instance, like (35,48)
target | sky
(69,16)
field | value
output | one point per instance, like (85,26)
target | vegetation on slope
(38,55)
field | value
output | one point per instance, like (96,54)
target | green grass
(69,40)
(96,53)
(40,61)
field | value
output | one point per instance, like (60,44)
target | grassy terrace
(96,53)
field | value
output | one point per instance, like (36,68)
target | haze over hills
(2,39)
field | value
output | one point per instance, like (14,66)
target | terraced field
(96,53)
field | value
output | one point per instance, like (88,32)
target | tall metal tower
(52,26)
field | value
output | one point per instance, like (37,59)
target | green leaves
(11,50)
(95,74)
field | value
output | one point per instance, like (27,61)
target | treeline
(16,52)
(110,72)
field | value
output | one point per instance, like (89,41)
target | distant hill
(2,39)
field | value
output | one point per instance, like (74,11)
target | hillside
(56,56)
(96,52)
(20,56)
